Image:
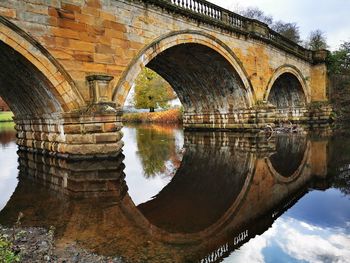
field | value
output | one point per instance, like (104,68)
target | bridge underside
(214,95)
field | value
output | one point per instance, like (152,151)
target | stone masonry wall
(72,136)
(105,36)
(116,39)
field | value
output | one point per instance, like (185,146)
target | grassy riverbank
(6,116)
(169,116)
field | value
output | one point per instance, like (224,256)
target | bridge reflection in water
(228,188)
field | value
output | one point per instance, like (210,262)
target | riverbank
(37,244)
(6,116)
(169,116)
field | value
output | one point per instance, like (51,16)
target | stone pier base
(71,135)
(258,118)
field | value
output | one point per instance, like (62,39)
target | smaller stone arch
(295,72)
(173,39)
(299,170)
(62,85)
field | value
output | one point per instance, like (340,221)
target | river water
(177,196)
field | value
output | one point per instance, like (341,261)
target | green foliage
(339,60)
(7,255)
(7,126)
(6,116)
(154,150)
(152,91)
(316,40)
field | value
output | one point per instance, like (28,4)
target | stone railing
(211,13)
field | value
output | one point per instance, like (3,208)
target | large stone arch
(60,86)
(295,72)
(175,39)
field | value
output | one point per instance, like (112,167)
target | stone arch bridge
(67,67)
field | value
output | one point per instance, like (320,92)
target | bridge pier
(71,135)
(254,119)
(94,131)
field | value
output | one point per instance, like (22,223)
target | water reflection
(230,191)
(290,151)
(196,198)
(8,162)
(157,150)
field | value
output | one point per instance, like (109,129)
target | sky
(331,16)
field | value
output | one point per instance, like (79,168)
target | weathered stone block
(80,139)
(72,128)
(93,128)
(107,137)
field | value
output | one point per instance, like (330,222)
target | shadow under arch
(291,158)
(295,73)
(55,88)
(156,57)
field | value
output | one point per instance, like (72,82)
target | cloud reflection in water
(299,240)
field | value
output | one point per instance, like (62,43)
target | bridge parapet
(221,17)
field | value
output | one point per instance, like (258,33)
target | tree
(288,30)
(152,91)
(339,60)
(258,14)
(316,40)
(157,147)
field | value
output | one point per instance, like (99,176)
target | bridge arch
(32,81)
(156,55)
(287,87)
(290,159)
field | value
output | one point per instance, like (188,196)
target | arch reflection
(222,195)
(290,157)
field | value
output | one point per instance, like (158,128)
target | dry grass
(169,116)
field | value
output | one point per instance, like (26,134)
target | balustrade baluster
(191,4)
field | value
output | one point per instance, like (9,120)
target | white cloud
(313,247)
(8,173)
(298,240)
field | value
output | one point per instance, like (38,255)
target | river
(176,196)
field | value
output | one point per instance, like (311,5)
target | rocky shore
(38,245)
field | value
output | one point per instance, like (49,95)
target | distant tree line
(339,60)
(316,39)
